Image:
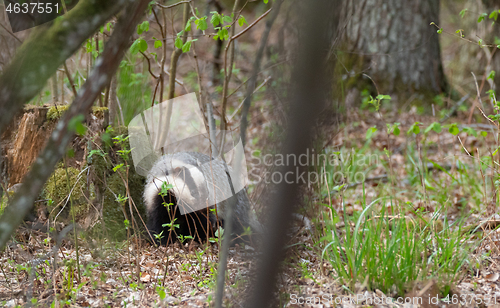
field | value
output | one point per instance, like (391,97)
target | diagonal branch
(56,146)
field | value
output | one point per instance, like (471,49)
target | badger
(186,194)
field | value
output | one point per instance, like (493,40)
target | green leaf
(188,26)
(178,43)
(484,133)
(135,47)
(434,126)
(223,34)
(440,30)
(494,15)
(158,44)
(381,97)
(216,19)
(482,17)
(491,75)
(470,131)
(201,24)
(242,21)
(266,1)
(143,27)
(143,45)
(415,128)
(115,168)
(462,12)
(227,19)
(370,132)
(186,47)
(453,129)
(108,27)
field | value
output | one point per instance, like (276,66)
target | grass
(421,224)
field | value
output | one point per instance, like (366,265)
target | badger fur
(197,182)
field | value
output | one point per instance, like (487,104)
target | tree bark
(393,42)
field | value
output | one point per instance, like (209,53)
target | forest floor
(439,185)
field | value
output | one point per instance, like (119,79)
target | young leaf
(143,45)
(462,13)
(186,47)
(227,19)
(370,132)
(415,128)
(201,24)
(494,15)
(491,75)
(381,97)
(481,17)
(178,43)
(242,21)
(158,44)
(470,131)
(143,27)
(215,20)
(434,126)
(135,47)
(188,26)
(453,129)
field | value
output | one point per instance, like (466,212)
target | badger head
(188,183)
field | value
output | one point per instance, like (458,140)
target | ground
(137,274)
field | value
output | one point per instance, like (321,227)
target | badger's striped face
(188,186)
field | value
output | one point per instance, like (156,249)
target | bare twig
(481,102)
(228,74)
(172,5)
(149,66)
(10,32)
(70,79)
(256,68)
(176,54)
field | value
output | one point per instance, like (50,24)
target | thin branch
(256,69)
(10,32)
(227,79)
(251,25)
(149,66)
(70,79)
(172,5)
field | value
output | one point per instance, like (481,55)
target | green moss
(66,182)
(99,111)
(54,113)
(114,184)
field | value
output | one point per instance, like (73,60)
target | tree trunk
(393,42)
